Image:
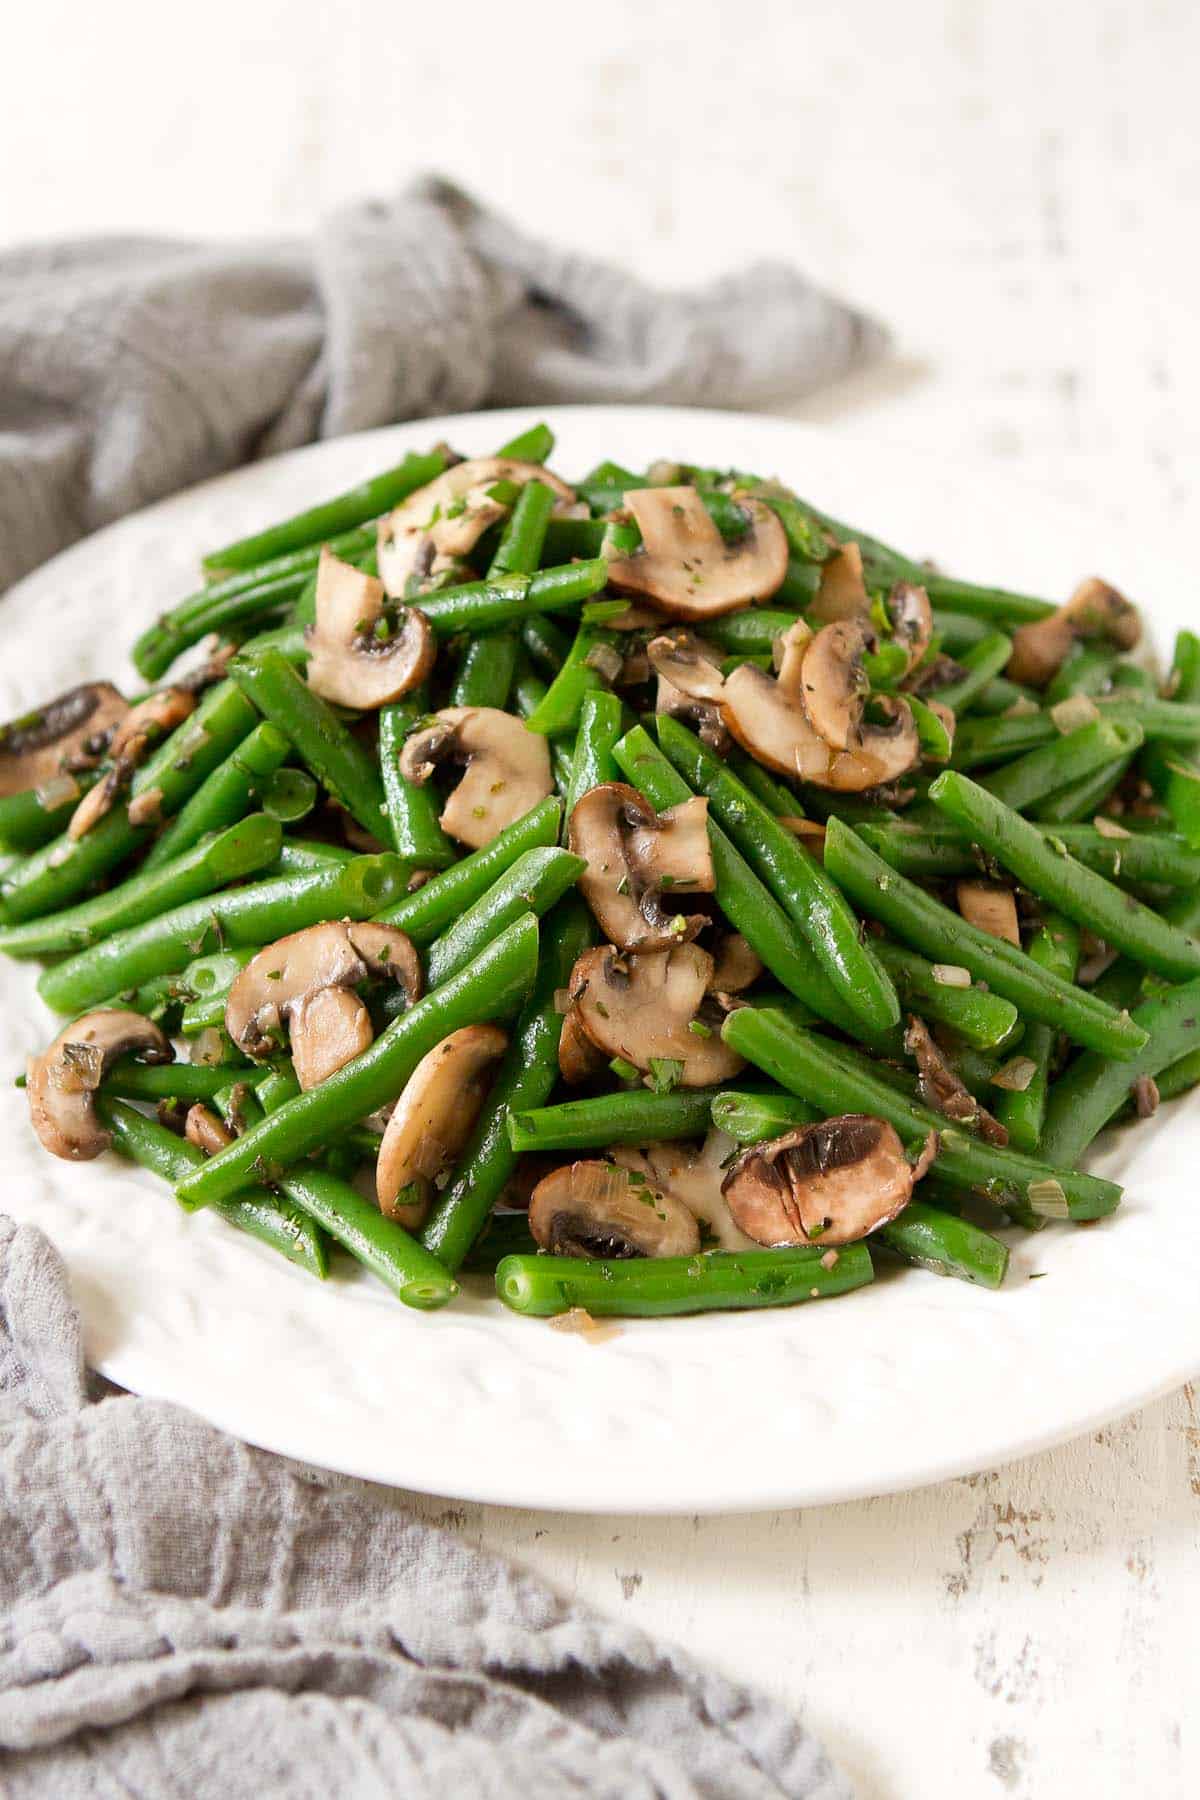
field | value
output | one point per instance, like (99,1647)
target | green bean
(534,883)
(748,633)
(748,1118)
(558,711)
(239,851)
(741,896)
(505,1234)
(412,810)
(302,855)
(493,987)
(774,794)
(535,445)
(1083,798)
(632,1116)
(1055,946)
(656,1287)
(920,920)
(26,822)
(797,880)
(981,1017)
(352,508)
(164,1081)
(1087,670)
(484,605)
(824,1075)
(980,664)
(529,690)
(488,664)
(54,875)
(939,851)
(290,796)
(1091,1092)
(429,909)
(981,742)
(934,735)
(227,795)
(224,606)
(936,1240)
(567,538)
(601,725)
(1047,870)
(324,744)
(1175,779)
(255,1211)
(545,642)
(257,914)
(957,632)
(525,1078)
(1078,753)
(1178,1077)
(1000,695)
(996,605)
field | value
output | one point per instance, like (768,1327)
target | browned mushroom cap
(593,1209)
(442,522)
(578,1058)
(1094,610)
(735,965)
(203,1128)
(942,1089)
(364,652)
(990,907)
(834,682)
(830,1183)
(908,608)
(507,774)
(641,1007)
(637,858)
(689,683)
(61,1082)
(684,564)
(692,1174)
(142,727)
(305,982)
(70,733)
(843,590)
(434,1117)
(770,718)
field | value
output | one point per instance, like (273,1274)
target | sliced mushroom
(636,858)
(68,734)
(306,983)
(990,907)
(694,1176)
(689,656)
(364,651)
(911,616)
(578,1058)
(843,590)
(1094,610)
(507,773)
(736,966)
(829,1183)
(942,1089)
(61,1082)
(206,1131)
(142,727)
(434,1117)
(593,1209)
(641,1008)
(442,522)
(686,567)
(834,682)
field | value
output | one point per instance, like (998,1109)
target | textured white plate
(905,1382)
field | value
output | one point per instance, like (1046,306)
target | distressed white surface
(1014,187)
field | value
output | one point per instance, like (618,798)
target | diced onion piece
(1077,710)
(56,792)
(1109,828)
(208,1047)
(1047,1199)
(579,1321)
(1016,1074)
(951,975)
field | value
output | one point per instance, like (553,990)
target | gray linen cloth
(132,367)
(185,1618)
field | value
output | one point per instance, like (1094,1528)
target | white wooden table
(1014,187)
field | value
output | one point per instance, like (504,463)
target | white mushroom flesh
(363,651)
(507,769)
(686,567)
(643,1009)
(60,1083)
(442,522)
(829,1183)
(434,1117)
(593,1209)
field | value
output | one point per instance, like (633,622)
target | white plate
(908,1381)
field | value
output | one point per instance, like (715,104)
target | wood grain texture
(1014,188)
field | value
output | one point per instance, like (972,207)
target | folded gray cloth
(130,368)
(181,1616)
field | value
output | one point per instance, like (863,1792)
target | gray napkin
(132,367)
(181,1616)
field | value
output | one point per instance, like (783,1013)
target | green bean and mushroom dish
(645,890)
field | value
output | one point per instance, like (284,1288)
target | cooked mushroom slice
(828,1183)
(61,1082)
(908,608)
(442,522)
(1094,610)
(203,1128)
(594,1209)
(843,590)
(636,859)
(67,735)
(641,1008)
(578,1058)
(433,1119)
(142,727)
(834,681)
(363,651)
(689,684)
(684,564)
(735,965)
(769,718)
(694,1176)
(990,907)
(941,1088)
(508,769)
(306,983)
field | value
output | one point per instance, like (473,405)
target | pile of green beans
(271,810)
